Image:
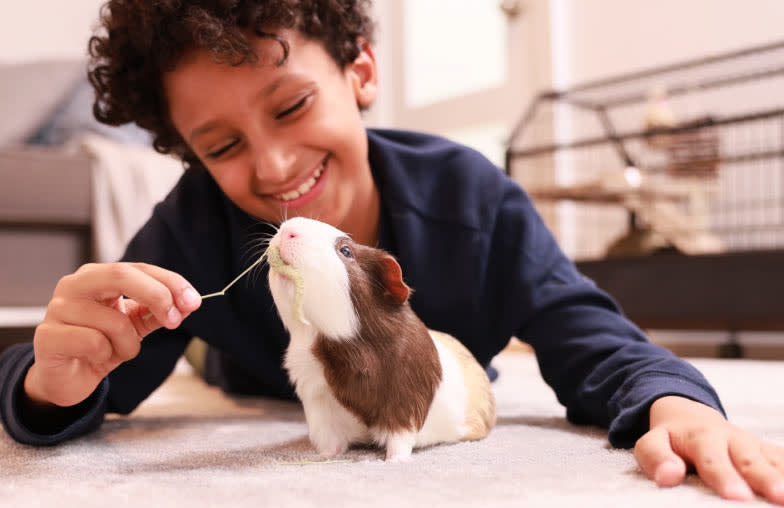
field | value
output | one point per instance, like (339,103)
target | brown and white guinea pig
(365,367)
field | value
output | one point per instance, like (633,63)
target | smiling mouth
(305,186)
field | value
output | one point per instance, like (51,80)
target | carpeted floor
(190,445)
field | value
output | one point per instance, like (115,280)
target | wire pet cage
(687,157)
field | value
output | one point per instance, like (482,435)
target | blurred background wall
(46,29)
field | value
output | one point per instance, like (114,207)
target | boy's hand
(729,460)
(90,328)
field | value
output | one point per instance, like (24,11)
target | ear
(363,74)
(393,279)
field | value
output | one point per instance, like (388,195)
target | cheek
(232,179)
(283,294)
(341,126)
(328,303)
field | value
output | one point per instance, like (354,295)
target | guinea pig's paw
(331,448)
(399,458)
(399,448)
(334,452)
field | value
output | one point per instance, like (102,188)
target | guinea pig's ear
(393,279)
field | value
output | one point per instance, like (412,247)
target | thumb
(657,459)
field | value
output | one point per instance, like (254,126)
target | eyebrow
(202,129)
(264,92)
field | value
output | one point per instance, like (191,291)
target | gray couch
(44,221)
(46,211)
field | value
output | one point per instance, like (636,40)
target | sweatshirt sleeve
(124,388)
(601,366)
(53,426)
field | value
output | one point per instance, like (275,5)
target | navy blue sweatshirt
(482,264)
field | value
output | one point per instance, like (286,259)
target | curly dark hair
(142,39)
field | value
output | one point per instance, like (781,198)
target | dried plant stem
(238,277)
(314,462)
(276,263)
(223,291)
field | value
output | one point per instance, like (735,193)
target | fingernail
(174,316)
(190,297)
(738,490)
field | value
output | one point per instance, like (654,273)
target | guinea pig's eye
(346,251)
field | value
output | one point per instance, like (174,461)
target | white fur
(446,419)
(312,252)
(331,426)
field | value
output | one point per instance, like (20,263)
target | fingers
(82,325)
(775,454)
(69,363)
(142,319)
(760,466)
(185,297)
(73,342)
(729,460)
(657,459)
(708,450)
(90,328)
(168,296)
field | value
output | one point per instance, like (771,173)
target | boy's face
(280,140)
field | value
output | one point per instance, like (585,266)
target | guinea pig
(366,368)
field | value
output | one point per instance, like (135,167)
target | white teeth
(302,189)
(306,185)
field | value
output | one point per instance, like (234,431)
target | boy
(262,101)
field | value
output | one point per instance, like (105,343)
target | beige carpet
(189,445)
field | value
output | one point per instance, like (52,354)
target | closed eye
(286,112)
(222,150)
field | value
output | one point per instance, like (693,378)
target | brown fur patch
(388,374)
(480,412)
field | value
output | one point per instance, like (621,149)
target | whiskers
(260,249)
(238,277)
(257,247)
(261,255)
(283,213)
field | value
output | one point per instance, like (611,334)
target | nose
(287,233)
(286,243)
(273,162)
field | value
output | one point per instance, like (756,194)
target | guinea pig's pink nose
(288,232)
(286,242)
